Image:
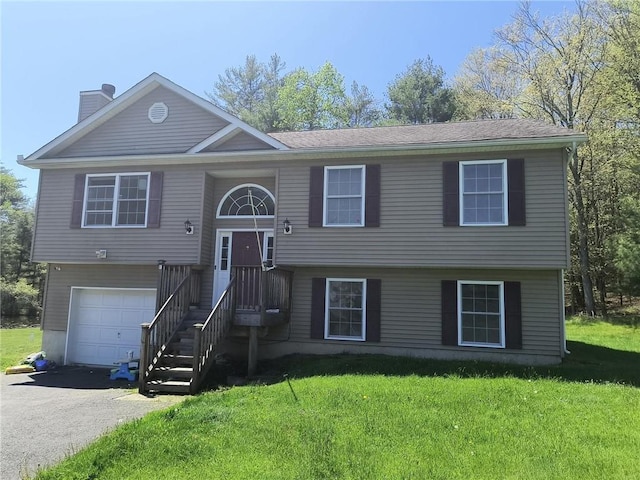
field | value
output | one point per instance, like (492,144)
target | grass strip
(17,343)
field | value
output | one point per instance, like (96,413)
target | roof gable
(131,132)
(237,141)
(123,126)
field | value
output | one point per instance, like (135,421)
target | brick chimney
(93,100)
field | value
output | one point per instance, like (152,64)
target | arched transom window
(247,200)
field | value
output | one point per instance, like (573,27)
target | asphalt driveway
(46,416)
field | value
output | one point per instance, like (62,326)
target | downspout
(563,332)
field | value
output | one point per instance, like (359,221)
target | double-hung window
(481,318)
(116,200)
(483,191)
(345,314)
(344,196)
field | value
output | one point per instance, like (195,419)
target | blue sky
(53,50)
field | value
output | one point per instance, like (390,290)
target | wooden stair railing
(261,290)
(179,345)
(277,291)
(157,334)
(209,334)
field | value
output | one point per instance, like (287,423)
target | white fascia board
(307,154)
(223,134)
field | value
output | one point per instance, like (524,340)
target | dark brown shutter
(78,200)
(449,294)
(155,199)
(316,186)
(372,196)
(515,181)
(512,315)
(374,292)
(451,194)
(318,289)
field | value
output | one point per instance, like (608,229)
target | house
(444,240)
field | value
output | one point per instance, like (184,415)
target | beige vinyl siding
(208,241)
(411,313)
(207,218)
(55,241)
(241,141)
(130,132)
(411,231)
(62,277)
(206,287)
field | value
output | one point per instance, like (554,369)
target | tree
(614,149)
(20,280)
(622,19)
(250,92)
(240,89)
(484,89)
(560,62)
(268,114)
(362,109)
(419,95)
(627,248)
(313,100)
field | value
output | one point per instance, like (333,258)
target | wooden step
(196,316)
(168,386)
(173,372)
(182,342)
(175,360)
(180,348)
(190,323)
(186,334)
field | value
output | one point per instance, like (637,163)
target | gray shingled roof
(434,133)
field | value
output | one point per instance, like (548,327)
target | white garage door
(104,324)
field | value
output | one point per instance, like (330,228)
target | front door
(245,251)
(239,249)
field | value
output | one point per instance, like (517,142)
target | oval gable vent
(158,112)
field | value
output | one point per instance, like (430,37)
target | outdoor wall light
(287,230)
(161,264)
(188,227)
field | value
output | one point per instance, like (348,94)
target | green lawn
(17,343)
(619,334)
(374,417)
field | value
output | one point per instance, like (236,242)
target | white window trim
(265,246)
(114,216)
(502,317)
(233,189)
(325,196)
(505,199)
(363,337)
